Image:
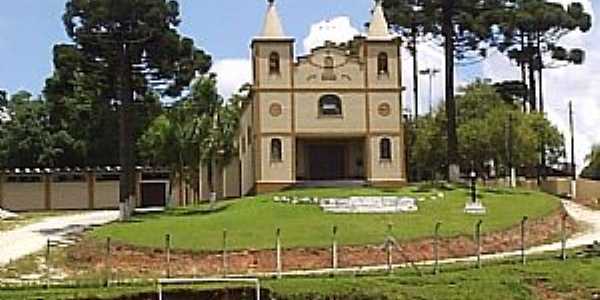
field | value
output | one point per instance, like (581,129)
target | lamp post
(431,72)
(473,176)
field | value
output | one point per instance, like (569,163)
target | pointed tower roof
(378,28)
(272,28)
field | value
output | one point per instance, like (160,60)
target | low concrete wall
(106,194)
(557,186)
(69,195)
(588,189)
(23,196)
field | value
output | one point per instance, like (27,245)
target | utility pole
(431,72)
(573,167)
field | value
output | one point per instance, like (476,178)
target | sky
(30,28)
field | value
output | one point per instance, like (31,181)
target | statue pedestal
(475,208)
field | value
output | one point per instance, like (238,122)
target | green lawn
(540,279)
(251,222)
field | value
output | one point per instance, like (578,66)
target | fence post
(478,240)
(388,245)
(436,250)
(108,262)
(48,245)
(168,253)
(334,256)
(225,271)
(523,241)
(563,236)
(278,250)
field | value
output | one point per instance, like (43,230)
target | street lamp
(473,176)
(431,72)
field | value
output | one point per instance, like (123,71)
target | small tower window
(274,63)
(385,149)
(382,64)
(330,105)
(276,150)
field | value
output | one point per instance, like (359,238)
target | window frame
(274,63)
(385,149)
(338,103)
(276,156)
(383,64)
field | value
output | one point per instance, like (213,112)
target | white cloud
(232,73)
(570,83)
(337,29)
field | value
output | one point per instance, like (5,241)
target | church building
(332,115)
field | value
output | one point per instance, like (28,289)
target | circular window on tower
(275,110)
(384,109)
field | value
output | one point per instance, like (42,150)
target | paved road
(32,238)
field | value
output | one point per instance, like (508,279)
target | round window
(384,109)
(275,110)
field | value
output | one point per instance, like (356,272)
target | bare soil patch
(130,261)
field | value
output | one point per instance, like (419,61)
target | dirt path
(20,242)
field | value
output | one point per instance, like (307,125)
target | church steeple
(272,28)
(378,28)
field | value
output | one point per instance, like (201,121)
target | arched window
(330,105)
(274,63)
(385,149)
(276,150)
(382,63)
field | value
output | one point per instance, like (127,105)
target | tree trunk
(532,84)
(524,73)
(448,30)
(126,145)
(415,70)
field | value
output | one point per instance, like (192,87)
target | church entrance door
(327,162)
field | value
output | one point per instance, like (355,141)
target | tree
(27,140)
(137,40)
(592,170)
(198,131)
(530,33)
(483,116)
(463,25)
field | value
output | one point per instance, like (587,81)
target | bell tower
(273,102)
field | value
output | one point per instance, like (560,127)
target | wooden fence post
(478,240)
(563,236)
(388,243)
(278,252)
(523,241)
(225,271)
(108,262)
(168,253)
(48,245)
(436,246)
(334,254)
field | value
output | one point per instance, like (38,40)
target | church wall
(246,148)
(348,72)
(389,80)
(387,170)
(382,121)
(274,120)
(262,54)
(277,171)
(352,120)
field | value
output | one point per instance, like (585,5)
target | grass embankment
(540,279)
(251,222)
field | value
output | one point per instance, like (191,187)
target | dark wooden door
(326,162)
(153,194)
